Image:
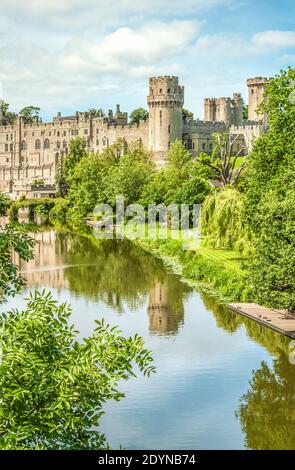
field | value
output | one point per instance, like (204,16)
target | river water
(222,381)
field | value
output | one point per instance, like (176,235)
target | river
(222,381)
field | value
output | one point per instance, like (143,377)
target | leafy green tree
(53,387)
(139,114)
(132,173)
(77,151)
(5,203)
(6,117)
(182,180)
(224,161)
(97,112)
(14,238)
(245,112)
(66,164)
(269,202)
(187,115)
(30,114)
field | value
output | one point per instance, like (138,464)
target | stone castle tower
(227,110)
(165,102)
(255,97)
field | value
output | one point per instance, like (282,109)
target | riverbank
(216,272)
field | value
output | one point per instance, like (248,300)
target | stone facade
(227,110)
(32,152)
(255,97)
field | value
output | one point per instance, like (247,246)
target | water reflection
(109,271)
(215,353)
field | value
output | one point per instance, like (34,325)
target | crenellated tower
(255,97)
(165,102)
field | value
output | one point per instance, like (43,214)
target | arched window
(46,144)
(24,145)
(37,144)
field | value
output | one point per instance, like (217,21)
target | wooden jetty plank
(278,320)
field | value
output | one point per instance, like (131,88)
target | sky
(68,55)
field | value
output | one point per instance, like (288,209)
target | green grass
(228,259)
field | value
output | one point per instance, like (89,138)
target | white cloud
(268,40)
(33,74)
(237,45)
(75,14)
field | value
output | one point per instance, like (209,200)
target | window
(64,144)
(169,127)
(6,147)
(97,142)
(72,132)
(46,144)
(50,133)
(38,144)
(24,145)
(252,91)
(168,91)
(7,160)
(65,132)
(160,90)
(11,147)
(203,146)
(104,141)
(58,144)
(85,131)
(97,131)
(58,133)
(6,136)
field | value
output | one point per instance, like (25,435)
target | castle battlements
(34,151)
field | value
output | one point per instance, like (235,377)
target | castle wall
(31,152)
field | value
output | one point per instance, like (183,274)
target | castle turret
(165,101)
(255,94)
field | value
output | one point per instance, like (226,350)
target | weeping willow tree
(222,221)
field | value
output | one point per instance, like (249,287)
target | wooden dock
(278,320)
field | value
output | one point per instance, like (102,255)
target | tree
(30,114)
(245,112)
(187,115)
(224,161)
(53,387)
(139,114)
(129,177)
(270,198)
(77,151)
(5,203)
(66,165)
(13,238)
(6,117)
(97,112)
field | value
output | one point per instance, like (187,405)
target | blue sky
(68,55)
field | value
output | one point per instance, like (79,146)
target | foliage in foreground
(53,387)
(270,199)
(222,221)
(13,238)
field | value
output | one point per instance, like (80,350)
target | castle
(30,153)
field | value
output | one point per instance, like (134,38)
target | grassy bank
(218,272)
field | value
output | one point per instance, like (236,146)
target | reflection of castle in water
(47,267)
(163,316)
(56,252)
